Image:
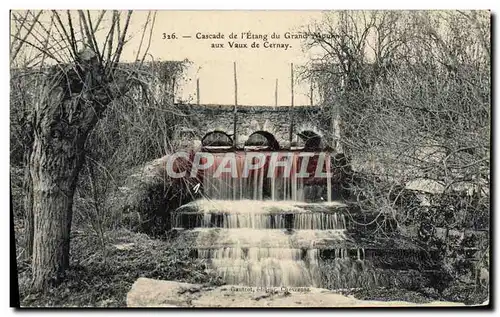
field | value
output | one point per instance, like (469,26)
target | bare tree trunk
(28,192)
(53,190)
(62,123)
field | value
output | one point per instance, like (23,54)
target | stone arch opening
(262,140)
(217,139)
(310,140)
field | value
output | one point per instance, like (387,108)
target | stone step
(269,243)
(265,238)
(322,252)
(204,206)
(318,221)
(276,215)
(294,254)
(217,238)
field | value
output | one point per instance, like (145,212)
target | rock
(484,275)
(155,293)
(124,246)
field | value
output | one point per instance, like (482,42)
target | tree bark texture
(28,209)
(28,190)
(63,118)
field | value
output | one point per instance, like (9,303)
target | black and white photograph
(250,159)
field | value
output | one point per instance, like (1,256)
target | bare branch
(23,40)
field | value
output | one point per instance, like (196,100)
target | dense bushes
(147,198)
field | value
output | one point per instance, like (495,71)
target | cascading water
(266,231)
(267,182)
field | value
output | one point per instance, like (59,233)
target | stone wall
(249,119)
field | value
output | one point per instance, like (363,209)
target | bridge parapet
(267,120)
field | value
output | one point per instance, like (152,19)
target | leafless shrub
(411,91)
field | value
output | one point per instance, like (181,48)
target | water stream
(267,231)
(268,182)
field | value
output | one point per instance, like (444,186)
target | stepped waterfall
(268,229)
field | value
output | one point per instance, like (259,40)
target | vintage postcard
(250,158)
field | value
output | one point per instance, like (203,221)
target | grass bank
(103,271)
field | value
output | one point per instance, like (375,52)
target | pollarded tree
(78,56)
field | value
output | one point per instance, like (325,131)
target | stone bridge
(278,128)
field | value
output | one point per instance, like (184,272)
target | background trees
(411,92)
(408,98)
